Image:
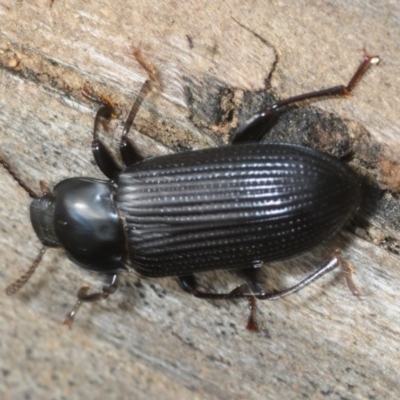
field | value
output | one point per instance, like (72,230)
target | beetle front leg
(129,154)
(112,285)
(102,156)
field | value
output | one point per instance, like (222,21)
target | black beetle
(233,207)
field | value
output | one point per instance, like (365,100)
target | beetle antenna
(15,286)
(20,182)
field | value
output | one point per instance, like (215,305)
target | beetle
(232,207)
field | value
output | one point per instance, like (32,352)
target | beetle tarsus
(69,320)
(252,324)
(348,270)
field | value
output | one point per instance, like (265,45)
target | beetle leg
(104,159)
(258,125)
(253,288)
(332,263)
(112,285)
(188,284)
(129,153)
(102,156)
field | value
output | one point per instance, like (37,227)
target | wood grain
(218,61)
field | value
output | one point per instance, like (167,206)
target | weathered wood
(150,340)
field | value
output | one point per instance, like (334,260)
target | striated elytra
(229,207)
(232,207)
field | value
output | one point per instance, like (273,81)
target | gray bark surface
(216,61)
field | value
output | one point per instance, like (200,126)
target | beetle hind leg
(253,288)
(335,261)
(111,286)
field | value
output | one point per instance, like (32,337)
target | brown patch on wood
(390,174)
